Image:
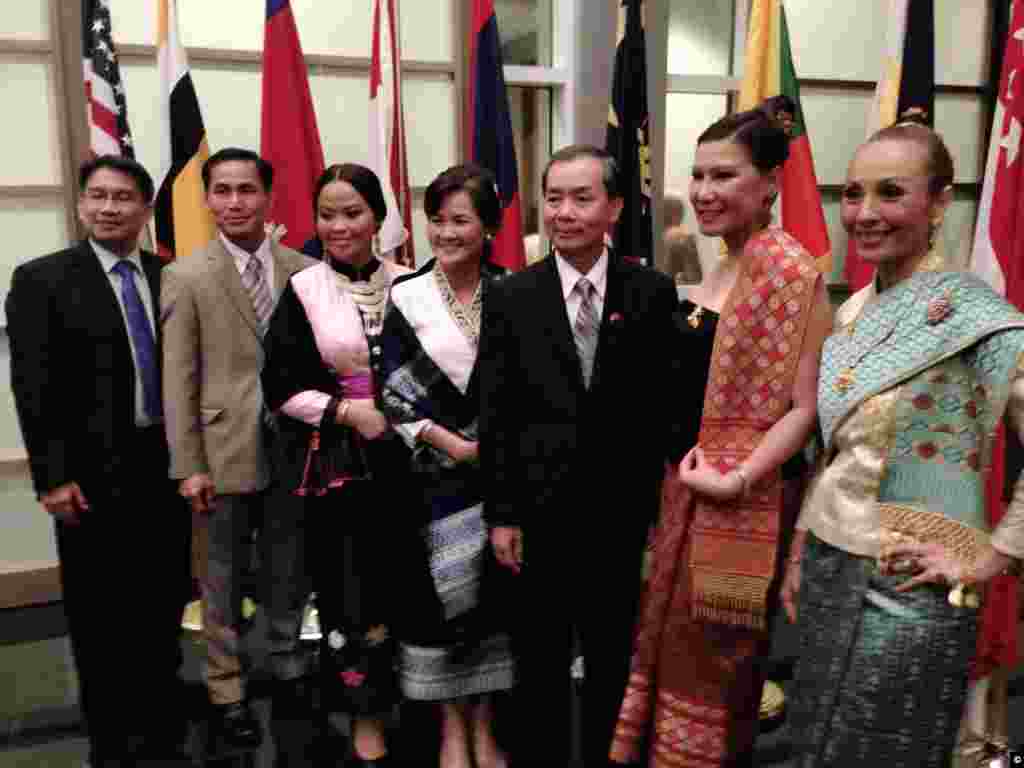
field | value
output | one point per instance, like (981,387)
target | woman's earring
(933,231)
(375,245)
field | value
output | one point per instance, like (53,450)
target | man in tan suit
(215,306)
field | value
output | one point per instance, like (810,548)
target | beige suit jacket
(213,355)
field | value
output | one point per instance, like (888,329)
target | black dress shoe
(234,727)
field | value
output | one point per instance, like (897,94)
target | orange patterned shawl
(753,366)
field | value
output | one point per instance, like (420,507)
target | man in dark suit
(85,369)
(576,380)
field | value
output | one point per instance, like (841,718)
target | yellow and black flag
(905,91)
(628,138)
(183,222)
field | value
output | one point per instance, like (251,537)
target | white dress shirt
(108,260)
(569,275)
(242,256)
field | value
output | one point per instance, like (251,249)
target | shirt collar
(109,259)
(569,275)
(242,256)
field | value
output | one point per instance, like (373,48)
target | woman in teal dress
(895,545)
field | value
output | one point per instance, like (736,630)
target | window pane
(834,40)
(525,29)
(33,227)
(531,127)
(686,117)
(962,119)
(30,152)
(837,123)
(27,20)
(339,29)
(700,37)
(963,30)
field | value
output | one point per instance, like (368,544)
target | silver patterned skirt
(882,675)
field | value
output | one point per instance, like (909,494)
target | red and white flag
(387,133)
(998,253)
(998,258)
(104,92)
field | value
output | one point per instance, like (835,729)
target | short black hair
(228,154)
(123,165)
(759,133)
(363,180)
(477,182)
(609,167)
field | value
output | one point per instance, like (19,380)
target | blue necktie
(142,339)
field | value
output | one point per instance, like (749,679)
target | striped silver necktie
(586,327)
(254,280)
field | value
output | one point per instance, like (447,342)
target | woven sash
(754,362)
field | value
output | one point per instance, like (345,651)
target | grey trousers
(272,522)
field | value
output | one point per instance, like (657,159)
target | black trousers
(590,593)
(125,576)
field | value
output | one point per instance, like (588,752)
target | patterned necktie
(254,280)
(586,327)
(143,342)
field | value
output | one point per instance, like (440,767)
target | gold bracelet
(343,408)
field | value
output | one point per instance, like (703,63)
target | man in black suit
(577,421)
(85,356)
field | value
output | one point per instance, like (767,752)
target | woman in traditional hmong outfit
(895,546)
(340,454)
(429,392)
(755,325)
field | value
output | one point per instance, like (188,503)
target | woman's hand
(363,416)
(696,473)
(791,589)
(929,564)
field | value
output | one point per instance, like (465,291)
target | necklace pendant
(844,380)
(694,317)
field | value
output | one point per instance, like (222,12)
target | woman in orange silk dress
(758,321)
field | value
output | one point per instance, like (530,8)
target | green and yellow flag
(769,72)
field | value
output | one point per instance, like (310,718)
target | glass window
(837,123)
(30,152)
(33,226)
(700,37)
(961,118)
(525,29)
(27,20)
(963,30)
(338,29)
(837,40)
(530,109)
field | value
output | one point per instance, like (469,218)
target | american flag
(104,92)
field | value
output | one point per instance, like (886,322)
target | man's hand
(65,502)
(467,452)
(507,541)
(199,491)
